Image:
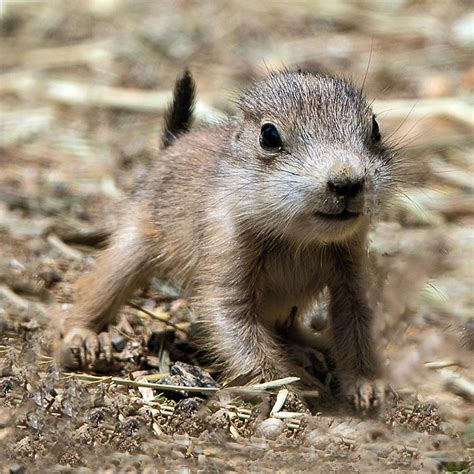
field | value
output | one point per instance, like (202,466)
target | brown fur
(238,227)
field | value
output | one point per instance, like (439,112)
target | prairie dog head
(308,162)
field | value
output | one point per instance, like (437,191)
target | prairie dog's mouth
(344,215)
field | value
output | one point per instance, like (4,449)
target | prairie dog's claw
(105,346)
(365,394)
(82,348)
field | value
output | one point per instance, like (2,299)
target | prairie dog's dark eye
(269,137)
(376,137)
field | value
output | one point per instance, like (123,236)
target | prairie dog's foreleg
(227,304)
(121,268)
(351,326)
(241,344)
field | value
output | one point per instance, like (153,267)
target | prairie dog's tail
(179,116)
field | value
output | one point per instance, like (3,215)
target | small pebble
(270,428)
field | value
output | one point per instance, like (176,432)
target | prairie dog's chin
(341,217)
(324,228)
(332,230)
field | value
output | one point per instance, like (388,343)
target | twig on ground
(19,302)
(164,318)
(458,384)
(264,386)
(60,56)
(90,238)
(95,95)
(453,175)
(280,401)
(136,384)
(66,250)
(413,203)
(441,364)
(453,107)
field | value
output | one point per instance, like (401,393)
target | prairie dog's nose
(346,186)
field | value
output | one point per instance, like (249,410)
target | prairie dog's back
(176,196)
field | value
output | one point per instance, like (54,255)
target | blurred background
(84,83)
(83,87)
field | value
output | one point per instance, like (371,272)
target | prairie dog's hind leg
(121,268)
(308,349)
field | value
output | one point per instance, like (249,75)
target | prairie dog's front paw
(365,394)
(82,348)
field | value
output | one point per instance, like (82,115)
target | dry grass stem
(95,95)
(162,317)
(63,248)
(453,107)
(137,384)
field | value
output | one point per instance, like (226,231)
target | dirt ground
(83,86)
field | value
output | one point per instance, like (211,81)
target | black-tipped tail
(179,116)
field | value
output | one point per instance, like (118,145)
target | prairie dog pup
(252,217)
